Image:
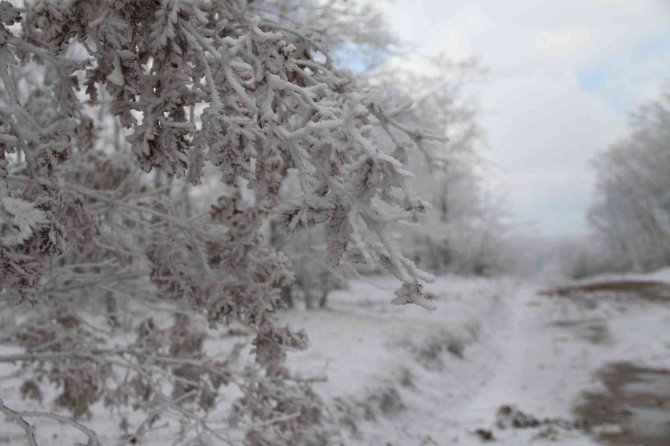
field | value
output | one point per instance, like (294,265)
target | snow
(408,376)
(525,353)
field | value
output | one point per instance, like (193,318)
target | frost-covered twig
(93,439)
(19,418)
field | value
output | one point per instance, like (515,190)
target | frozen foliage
(20,220)
(111,114)
(632,211)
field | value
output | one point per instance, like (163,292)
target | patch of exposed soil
(651,291)
(594,331)
(511,417)
(635,406)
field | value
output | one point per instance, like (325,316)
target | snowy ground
(406,376)
(520,348)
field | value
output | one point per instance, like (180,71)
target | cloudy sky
(563,76)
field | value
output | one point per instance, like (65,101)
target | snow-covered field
(406,376)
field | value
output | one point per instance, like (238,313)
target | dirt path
(581,365)
(535,381)
(632,406)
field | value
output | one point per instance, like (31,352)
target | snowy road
(553,349)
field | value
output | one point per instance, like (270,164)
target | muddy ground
(633,407)
(649,291)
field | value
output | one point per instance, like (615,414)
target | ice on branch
(18,220)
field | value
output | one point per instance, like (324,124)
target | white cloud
(455,44)
(563,75)
(564,42)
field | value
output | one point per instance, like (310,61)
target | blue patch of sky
(357,58)
(593,79)
(652,45)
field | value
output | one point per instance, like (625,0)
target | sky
(563,76)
